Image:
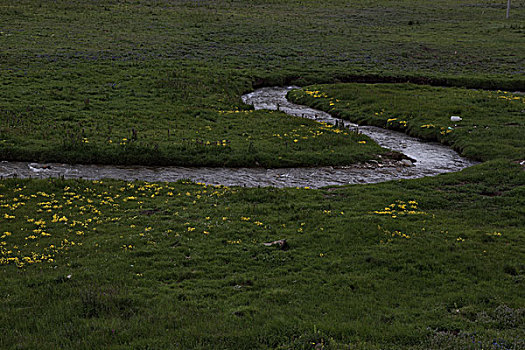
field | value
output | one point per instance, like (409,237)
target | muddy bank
(429,159)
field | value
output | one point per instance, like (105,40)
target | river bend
(429,159)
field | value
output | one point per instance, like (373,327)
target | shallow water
(430,159)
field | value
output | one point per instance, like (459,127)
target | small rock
(456,118)
(406,162)
(282,244)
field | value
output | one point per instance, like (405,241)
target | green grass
(492,125)
(182,265)
(220,138)
(75,70)
(121,265)
(153,128)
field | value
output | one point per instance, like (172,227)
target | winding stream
(430,159)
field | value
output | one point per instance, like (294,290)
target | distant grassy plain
(433,263)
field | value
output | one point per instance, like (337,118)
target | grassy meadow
(142,82)
(492,125)
(432,263)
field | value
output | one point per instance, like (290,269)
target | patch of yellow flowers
(400,208)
